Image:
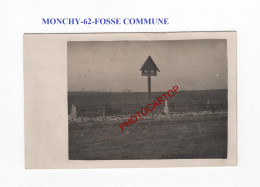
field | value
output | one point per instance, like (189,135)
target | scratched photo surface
(110,81)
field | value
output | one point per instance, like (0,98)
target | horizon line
(146,91)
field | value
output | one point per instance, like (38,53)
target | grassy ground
(112,99)
(189,137)
(97,98)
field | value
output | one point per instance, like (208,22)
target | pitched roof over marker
(149,65)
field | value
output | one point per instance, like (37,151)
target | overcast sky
(190,64)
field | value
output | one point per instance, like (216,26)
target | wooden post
(149,87)
(208,102)
(104,112)
(149,69)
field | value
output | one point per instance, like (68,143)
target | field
(193,135)
(116,103)
(113,98)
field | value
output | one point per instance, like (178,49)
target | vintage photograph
(162,99)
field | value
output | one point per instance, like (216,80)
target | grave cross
(149,69)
